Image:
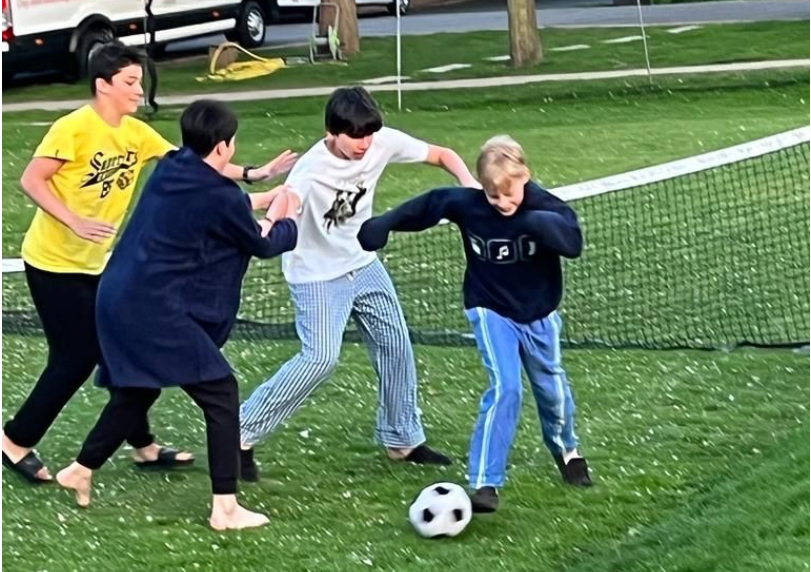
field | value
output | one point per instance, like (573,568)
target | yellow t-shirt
(97,181)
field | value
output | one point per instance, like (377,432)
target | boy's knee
(511,393)
(320,364)
(397,342)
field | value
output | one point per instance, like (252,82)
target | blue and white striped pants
(505,345)
(323,310)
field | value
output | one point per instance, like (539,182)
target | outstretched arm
(277,166)
(419,213)
(260,240)
(450,160)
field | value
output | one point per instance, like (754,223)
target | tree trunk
(347,25)
(525,42)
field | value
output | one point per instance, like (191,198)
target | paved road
(457,18)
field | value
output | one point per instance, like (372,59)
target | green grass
(754,518)
(710,44)
(699,457)
(683,258)
(571,132)
(690,1)
(664,431)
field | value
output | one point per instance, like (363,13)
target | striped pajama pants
(323,310)
(505,346)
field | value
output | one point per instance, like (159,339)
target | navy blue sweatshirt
(169,296)
(513,262)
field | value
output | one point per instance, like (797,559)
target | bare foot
(78,479)
(227,514)
(399,453)
(15,453)
(151,452)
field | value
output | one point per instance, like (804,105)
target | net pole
(644,40)
(399,59)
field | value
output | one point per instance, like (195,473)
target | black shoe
(248,471)
(575,472)
(484,500)
(424,455)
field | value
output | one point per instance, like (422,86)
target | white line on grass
(570,48)
(386,79)
(447,68)
(683,29)
(623,40)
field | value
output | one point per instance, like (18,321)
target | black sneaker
(424,455)
(484,500)
(575,472)
(248,471)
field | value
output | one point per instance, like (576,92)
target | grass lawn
(699,457)
(708,45)
(571,132)
(699,460)
(646,297)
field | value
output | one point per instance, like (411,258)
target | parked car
(61,34)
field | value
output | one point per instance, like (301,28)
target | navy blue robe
(169,296)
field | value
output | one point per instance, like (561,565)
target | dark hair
(353,112)
(109,60)
(205,123)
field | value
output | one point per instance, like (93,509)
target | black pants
(66,304)
(219,401)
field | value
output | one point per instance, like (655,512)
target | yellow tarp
(238,71)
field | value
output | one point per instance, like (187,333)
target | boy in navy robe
(514,234)
(169,298)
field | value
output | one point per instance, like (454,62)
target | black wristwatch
(245,170)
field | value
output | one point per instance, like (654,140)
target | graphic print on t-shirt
(345,205)
(503,250)
(109,170)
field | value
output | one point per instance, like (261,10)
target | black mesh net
(711,259)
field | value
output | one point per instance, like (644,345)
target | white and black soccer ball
(442,509)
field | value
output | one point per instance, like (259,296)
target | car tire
(90,41)
(251,26)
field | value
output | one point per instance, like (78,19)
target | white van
(63,34)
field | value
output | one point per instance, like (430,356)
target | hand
(92,230)
(278,207)
(263,200)
(265,225)
(370,240)
(470,183)
(277,166)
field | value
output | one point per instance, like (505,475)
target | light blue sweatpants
(506,345)
(323,310)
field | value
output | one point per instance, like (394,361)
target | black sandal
(27,467)
(248,470)
(167,459)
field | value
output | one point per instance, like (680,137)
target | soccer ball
(442,509)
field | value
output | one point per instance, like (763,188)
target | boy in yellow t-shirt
(82,178)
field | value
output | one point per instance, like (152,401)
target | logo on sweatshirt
(503,250)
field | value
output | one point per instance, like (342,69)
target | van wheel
(250,30)
(91,41)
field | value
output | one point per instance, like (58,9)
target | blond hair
(500,161)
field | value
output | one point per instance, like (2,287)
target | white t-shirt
(336,199)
